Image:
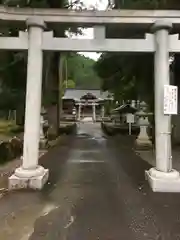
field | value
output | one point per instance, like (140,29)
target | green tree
(81,70)
(68,84)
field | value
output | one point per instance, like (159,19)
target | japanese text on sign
(170,99)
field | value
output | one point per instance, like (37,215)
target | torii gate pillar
(30,174)
(162,178)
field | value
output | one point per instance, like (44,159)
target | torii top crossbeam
(90,18)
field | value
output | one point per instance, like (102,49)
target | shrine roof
(126,108)
(77,94)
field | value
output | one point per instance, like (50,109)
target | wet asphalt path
(96,190)
(103,195)
(87,195)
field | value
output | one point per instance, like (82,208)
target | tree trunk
(51,91)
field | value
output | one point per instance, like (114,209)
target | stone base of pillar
(163,182)
(143,144)
(33,179)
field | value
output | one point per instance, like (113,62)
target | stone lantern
(102,112)
(143,141)
(74,113)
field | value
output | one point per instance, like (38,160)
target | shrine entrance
(155,27)
(89,106)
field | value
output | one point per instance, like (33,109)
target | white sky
(88,33)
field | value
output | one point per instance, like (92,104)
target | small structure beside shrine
(122,113)
(124,118)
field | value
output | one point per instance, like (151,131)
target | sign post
(130,120)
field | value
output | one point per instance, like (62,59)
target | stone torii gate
(36,40)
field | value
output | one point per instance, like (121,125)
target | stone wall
(11,149)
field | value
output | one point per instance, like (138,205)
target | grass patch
(9,128)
